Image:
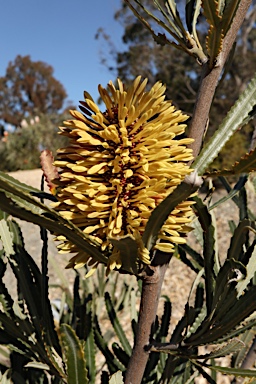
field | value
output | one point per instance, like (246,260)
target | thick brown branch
(151,290)
(209,81)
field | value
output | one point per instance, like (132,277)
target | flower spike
(120,164)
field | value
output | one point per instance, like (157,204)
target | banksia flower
(120,164)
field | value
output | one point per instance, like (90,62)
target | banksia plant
(120,164)
(123,197)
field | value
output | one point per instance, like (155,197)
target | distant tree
(142,55)
(29,88)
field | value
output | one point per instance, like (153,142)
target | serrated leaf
(5,178)
(234,119)
(214,41)
(120,354)
(210,264)
(197,323)
(211,12)
(238,240)
(112,363)
(229,14)
(229,348)
(74,356)
(241,310)
(238,372)
(29,280)
(174,28)
(116,325)
(37,365)
(90,347)
(251,269)
(247,338)
(161,213)
(246,164)
(225,295)
(6,238)
(166,318)
(236,332)
(128,248)
(117,378)
(197,231)
(215,35)
(49,219)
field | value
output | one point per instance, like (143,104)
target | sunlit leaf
(229,125)
(74,356)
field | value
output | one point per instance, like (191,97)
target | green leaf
(246,164)
(225,295)
(238,240)
(112,363)
(116,325)
(6,238)
(128,248)
(16,184)
(211,12)
(29,280)
(237,332)
(4,378)
(210,262)
(195,262)
(37,365)
(161,213)
(229,14)
(120,354)
(215,35)
(42,215)
(243,307)
(197,323)
(193,9)
(74,356)
(230,124)
(231,192)
(229,348)
(117,378)
(247,338)
(251,269)
(90,347)
(238,372)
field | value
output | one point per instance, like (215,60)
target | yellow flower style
(120,164)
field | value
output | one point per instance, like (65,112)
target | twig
(209,81)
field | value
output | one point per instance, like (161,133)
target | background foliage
(21,148)
(178,70)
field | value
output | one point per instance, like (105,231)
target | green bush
(22,148)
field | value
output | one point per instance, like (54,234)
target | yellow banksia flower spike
(120,164)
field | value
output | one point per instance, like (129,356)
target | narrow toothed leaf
(215,35)
(246,164)
(117,378)
(234,120)
(238,372)
(116,325)
(73,356)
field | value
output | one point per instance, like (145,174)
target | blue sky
(61,33)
